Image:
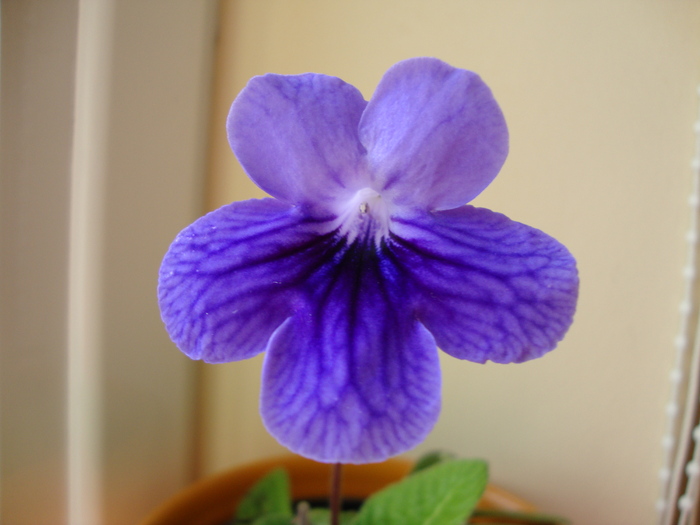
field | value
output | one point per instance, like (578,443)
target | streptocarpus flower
(367,258)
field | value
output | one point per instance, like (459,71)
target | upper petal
(487,288)
(228,280)
(296,137)
(352,377)
(435,136)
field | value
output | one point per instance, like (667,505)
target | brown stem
(335,499)
(302,517)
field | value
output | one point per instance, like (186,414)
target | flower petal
(435,136)
(228,280)
(352,378)
(296,136)
(486,287)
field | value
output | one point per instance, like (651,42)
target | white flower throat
(364,215)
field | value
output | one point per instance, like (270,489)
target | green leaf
(323,517)
(273,519)
(444,494)
(270,495)
(430,459)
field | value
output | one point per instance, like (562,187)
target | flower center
(365,215)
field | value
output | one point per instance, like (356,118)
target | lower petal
(229,279)
(353,378)
(486,287)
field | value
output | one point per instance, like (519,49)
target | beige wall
(600,100)
(103,106)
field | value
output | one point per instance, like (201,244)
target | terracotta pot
(213,500)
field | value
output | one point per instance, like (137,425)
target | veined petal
(435,136)
(228,280)
(296,137)
(352,378)
(486,287)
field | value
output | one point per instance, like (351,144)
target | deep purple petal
(487,288)
(435,136)
(353,377)
(296,137)
(228,280)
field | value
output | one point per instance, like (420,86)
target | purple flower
(367,258)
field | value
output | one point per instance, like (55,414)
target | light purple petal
(296,137)
(435,136)
(353,377)
(487,288)
(227,281)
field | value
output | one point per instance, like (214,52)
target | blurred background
(113,139)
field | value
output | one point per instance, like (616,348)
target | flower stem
(335,501)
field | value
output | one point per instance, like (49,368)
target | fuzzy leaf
(323,517)
(444,494)
(273,519)
(431,458)
(269,496)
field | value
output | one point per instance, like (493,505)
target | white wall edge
(88,174)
